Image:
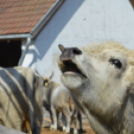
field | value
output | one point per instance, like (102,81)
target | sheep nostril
(77,51)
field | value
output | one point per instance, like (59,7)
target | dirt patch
(86,130)
(46,126)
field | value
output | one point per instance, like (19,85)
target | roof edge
(46,18)
(15,36)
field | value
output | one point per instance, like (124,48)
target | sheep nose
(69,53)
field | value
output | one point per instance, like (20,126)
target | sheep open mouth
(71,67)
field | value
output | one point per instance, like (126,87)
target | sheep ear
(61,47)
(51,75)
(37,73)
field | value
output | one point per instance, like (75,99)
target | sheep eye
(116,62)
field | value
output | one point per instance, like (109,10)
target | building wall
(79,22)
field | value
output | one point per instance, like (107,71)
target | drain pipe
(28,43)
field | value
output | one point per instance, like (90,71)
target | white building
(75,23)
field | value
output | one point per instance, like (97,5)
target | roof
(21,16)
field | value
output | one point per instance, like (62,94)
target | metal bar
(28,43)
(15,36)
(5,130)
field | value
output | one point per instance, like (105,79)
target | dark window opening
(10,52)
